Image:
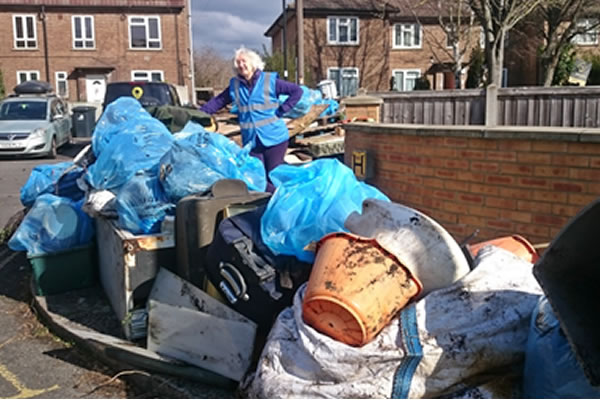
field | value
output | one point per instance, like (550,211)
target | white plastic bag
(446,344)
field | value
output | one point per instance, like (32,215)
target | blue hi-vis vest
(256,110)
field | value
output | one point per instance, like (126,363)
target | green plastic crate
(62,271)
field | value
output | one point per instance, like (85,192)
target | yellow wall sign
(137,92)
(359,164)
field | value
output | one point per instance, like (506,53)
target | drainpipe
(191,50)
(43,17)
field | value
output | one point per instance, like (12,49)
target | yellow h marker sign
(359,164)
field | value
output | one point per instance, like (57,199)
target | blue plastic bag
(48,178)
(551,369)
(142,204)
(309,98)
(113,119)
(53,224)
(138,146)
(309,202)
(199,158)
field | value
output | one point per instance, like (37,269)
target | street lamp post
(285,69)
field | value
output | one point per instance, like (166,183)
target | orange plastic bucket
(516,244)
(355,288)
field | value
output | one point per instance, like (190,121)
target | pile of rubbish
(324,289)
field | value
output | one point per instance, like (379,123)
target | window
(590,29)
(24,31)
(144,33)
(147,76)
(342,30)
(23,76)
(405,79)
(62,86)
(83,32)
(346,80)
(407,36)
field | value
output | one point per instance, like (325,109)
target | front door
(95,87)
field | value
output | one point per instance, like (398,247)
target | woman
(256,95)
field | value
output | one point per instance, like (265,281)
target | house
(80,45)
(388,45)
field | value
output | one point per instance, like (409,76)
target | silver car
(33,125)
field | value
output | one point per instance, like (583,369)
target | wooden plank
(297,125)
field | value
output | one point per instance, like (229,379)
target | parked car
(33,121)
(147,93)
(161,100)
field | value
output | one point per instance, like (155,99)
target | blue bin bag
(113,119)
(309,98)
(53,224)
(551,369)
(57,179)
(142,204)
(309,202)
(199,158)
(137,147)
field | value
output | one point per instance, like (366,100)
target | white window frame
(61,76)
(590,37)
(83,38)
(28,77)
(402,86)
(25,39)
(411,29)
(340,73)
(148,74)
(338,23)
(146,25)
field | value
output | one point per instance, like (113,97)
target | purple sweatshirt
(281,87)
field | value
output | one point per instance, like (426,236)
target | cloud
(225,25)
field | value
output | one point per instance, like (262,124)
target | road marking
(24,392)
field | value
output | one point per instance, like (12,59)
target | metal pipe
(285,68)
(192,66)
(300,27)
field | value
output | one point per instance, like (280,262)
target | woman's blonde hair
(253,59)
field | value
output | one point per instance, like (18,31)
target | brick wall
(502,181)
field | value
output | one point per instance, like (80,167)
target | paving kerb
(135,364)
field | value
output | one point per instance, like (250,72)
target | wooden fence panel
(524,106)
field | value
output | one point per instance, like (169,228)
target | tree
(274,62)
(560,26)
(457,22)
(211,69)
(496,18)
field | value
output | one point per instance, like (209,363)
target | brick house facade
(79,46)
(385,40)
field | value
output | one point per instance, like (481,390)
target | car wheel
(53,151)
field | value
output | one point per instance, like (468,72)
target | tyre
(53,150)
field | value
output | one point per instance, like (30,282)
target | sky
(226,25)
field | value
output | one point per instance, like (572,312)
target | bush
(422,84)
(476,72)
(594,76)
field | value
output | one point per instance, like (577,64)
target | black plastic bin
(84,121)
